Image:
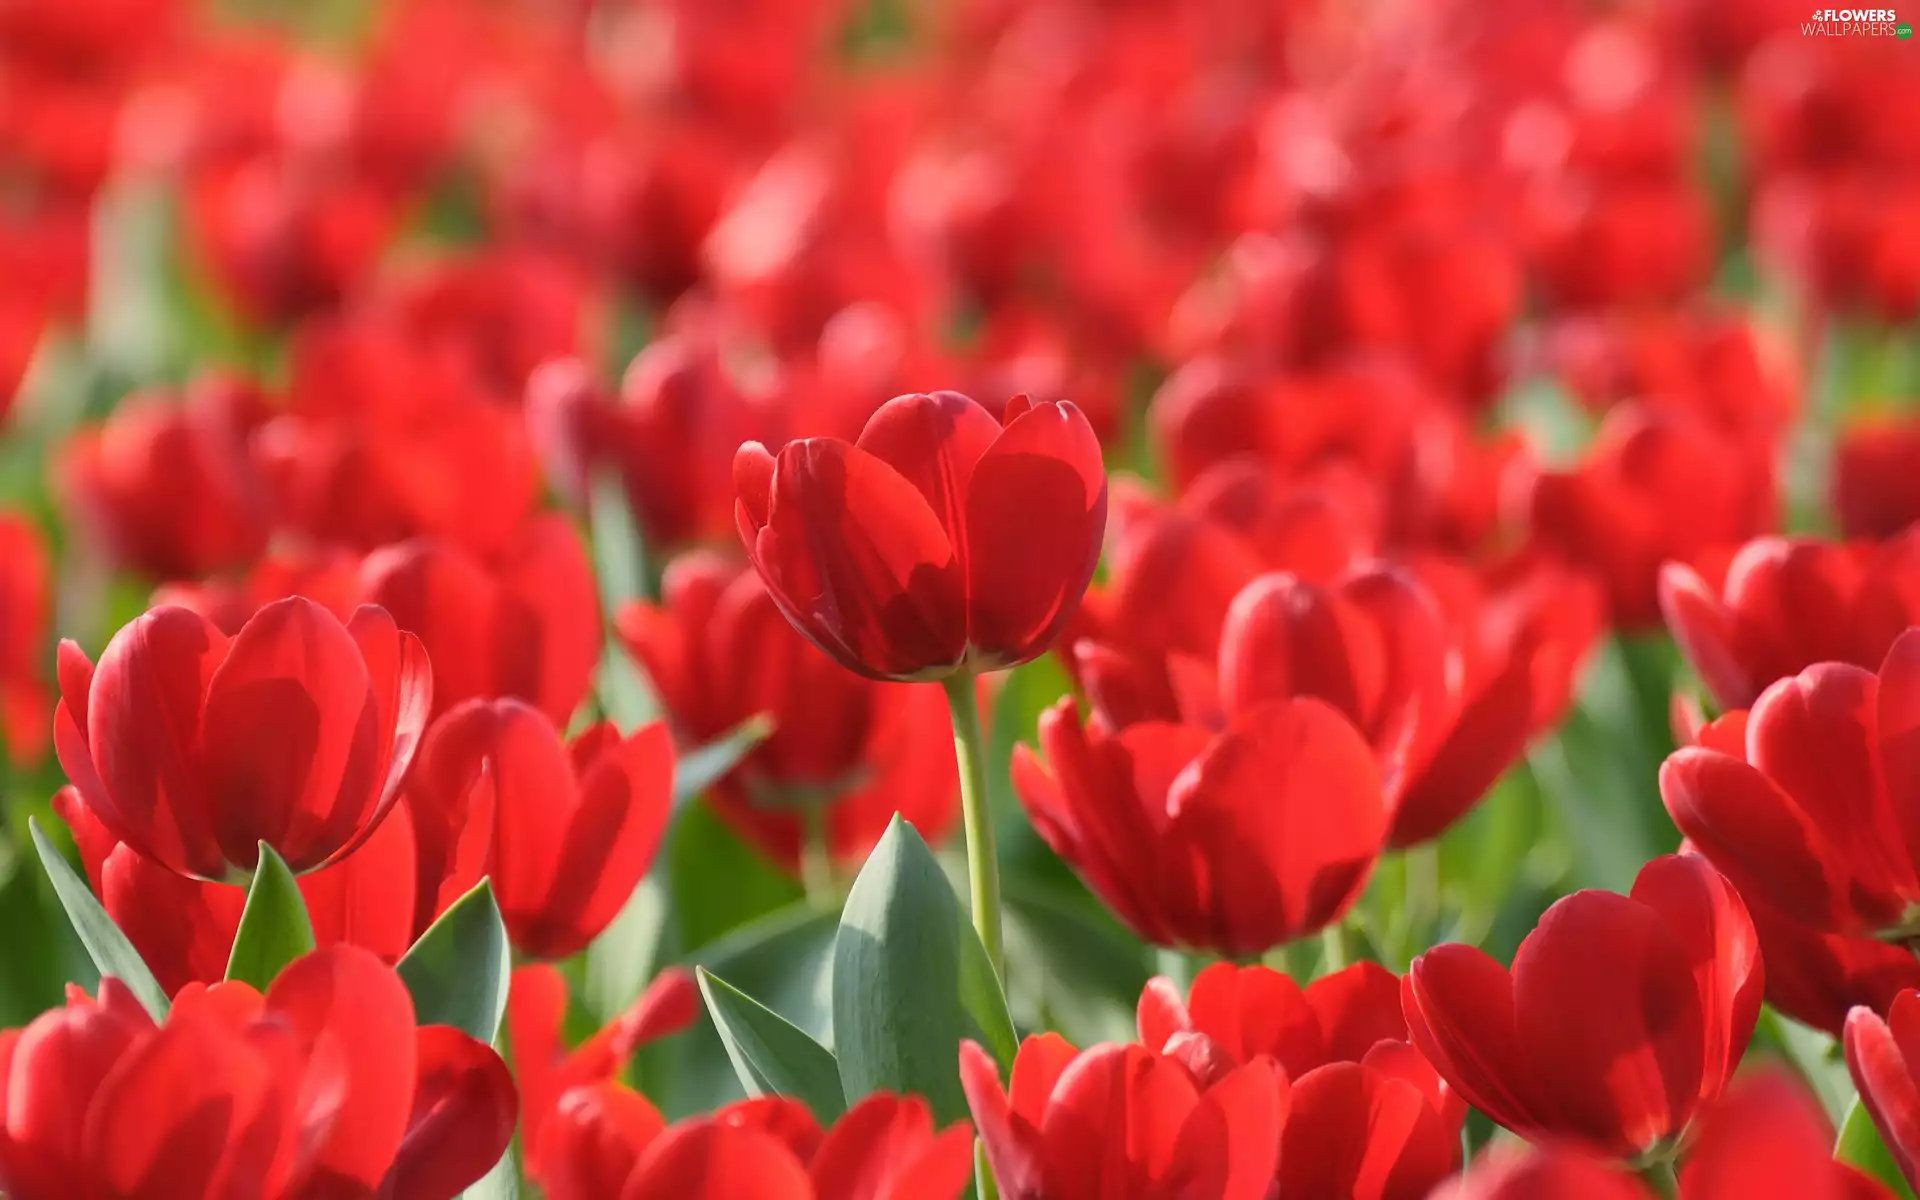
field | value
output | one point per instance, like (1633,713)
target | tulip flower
(330,579)
(323,1084)
(166,488)
(1817,977)
(607,1141)
(670,436)
(852,750)
(1801,800)
(525,624)
(941,541)
(184,928)
(193,748)
(1124,1123)
(1881,1060)
(546,1070)
(565,830)
(1876,478)
(500,311)
(1235,841)
(1668,977)
(1654,487)
(1766,1137)
(1786,604)
(1342,1042)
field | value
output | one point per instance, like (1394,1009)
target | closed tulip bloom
(1786,604)
(193,748)
(184,928)
(524,623)
(1369,1118)
(1876,478)
(323,1085)
(1802,800)
(564,829)
(852,750)
(1124,1123)
(940,541)
(1235,841)
(1668,977)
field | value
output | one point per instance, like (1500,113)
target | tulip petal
(590,1143)
(708,1158)
(1703,629)
(1036,513)
(143,721)
(1256,1010)
(934,441)
(1115,1120)
(464,1108)
(1357,1008)
(1356,1132)
(1230,1142)
(1459,1006)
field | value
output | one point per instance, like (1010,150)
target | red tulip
(1369,1118)
(193,748)
(547,1071)
(26,598)
(1124,1123)
(1668,978)
(1619,242)
(854,750)
(565,830)
(941,541)
(385,442)
(1882,1060)
(166,488)
(606,1141)
(1786,604)
(1876,478)
(1801,801)
(670,437)
(525,624)
(1817,977)
(1767,1137)
(324,1084)
(1236,841)
(329,578)
(184,928)
(1654,487)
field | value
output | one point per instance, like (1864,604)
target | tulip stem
(1333,948)
(1661,1179)
(816,857)
(983,868)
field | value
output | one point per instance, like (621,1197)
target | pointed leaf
(911,980)
(274,927)
(457,972)
(108,947)
(769,1053)
(698,769)
(1860,1146)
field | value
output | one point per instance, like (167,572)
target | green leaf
(911,980)
(1860,1145)
(769,1053)
(274,928)
(716,881)
(458,971)
(108,947)
(620,569)
(698,769)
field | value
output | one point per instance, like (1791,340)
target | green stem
(1660,1177)
(1333,948)
(983,868)
(816,857)
(1423,892)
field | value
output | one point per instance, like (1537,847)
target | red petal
(1766,1138)
(1011,1140)
(753,469)
(547,641)
(1881,1056)
(1703,911)
(1037,1067)
(183,928)
(1460,1015)
(1553,1173)
(452,802)
(933,442)
(1703,628)
(590,1143)
(1036,513)
(941,1171)
(291,739)
(143,724)
(1356,1132)
(1114,1122)
(1357,1008)
(1256,1010)
(709,1160)
(1161,1013)
(56,1067)
(1897,726)
(1230,1143)
(462,1120)
(446,598)
(346,1005)
(366,899)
